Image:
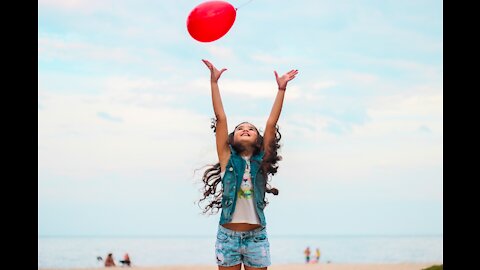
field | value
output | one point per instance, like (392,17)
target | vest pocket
(228,181)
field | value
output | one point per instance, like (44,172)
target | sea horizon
(79,251)
(208,235)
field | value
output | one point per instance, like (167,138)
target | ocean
(66,252)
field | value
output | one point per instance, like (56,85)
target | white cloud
(426,71)
(219,52)
(73,140)
(411,107)
(257,89)
(83,6)
(361,78)
(138,91)
(324,84)
(273,60)
(390,139)
(424,128)
(56,47)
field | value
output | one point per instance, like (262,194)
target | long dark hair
(211,177)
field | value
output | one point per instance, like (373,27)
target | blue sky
(124,114)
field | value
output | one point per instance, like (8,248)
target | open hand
(214,72)
(285,78)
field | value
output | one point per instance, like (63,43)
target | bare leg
(235,267)
(253,268)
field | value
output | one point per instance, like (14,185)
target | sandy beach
(400,266)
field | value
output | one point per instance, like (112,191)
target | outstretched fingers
(285,78)
(215,73)
(291,74)
(208,64)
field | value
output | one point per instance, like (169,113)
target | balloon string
(243,4)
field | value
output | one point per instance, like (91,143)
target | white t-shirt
(245,207)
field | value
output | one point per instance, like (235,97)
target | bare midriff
(241,226)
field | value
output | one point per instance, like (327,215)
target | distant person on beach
(317,255)
(126,260)
(246,162)
(109,260)
(307,254)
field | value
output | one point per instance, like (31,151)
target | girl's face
(245,133)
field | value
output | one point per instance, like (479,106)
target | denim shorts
(248,247)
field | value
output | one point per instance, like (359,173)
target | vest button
(230,169)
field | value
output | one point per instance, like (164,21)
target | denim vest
(231,184)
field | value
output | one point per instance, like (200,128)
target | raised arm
(221,133)
(270,128)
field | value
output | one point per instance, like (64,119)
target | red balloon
(210,20)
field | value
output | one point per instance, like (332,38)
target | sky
(124,111)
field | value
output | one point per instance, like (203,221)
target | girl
(246,159)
